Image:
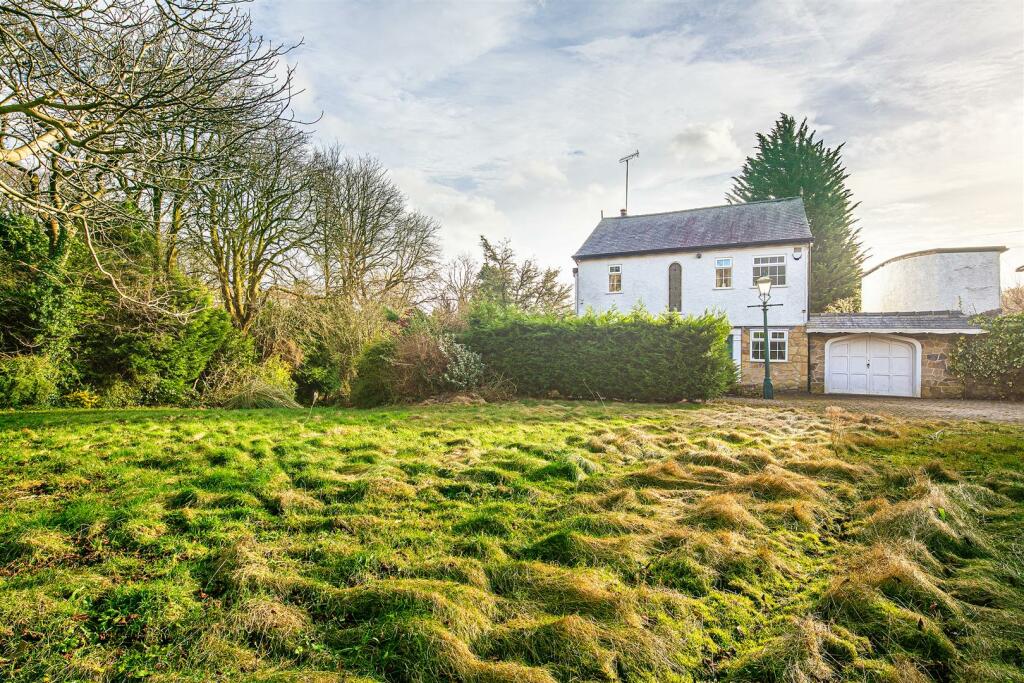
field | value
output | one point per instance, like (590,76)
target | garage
(886,354)
(870,364)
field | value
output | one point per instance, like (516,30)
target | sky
(507,119)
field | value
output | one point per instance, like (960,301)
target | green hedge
(633,357)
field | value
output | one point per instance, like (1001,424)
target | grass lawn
(527,542)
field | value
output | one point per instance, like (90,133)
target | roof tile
(771,221)
(918,320)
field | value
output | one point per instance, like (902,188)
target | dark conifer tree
(790,163)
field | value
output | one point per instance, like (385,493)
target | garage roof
(921,322)
(774,221)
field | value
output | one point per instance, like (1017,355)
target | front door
(867,364)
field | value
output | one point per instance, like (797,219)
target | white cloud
(531,105)
(710,143)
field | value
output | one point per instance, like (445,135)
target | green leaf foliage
(790,163)
(993,363)
(371,386)
(27,381)
(633,357)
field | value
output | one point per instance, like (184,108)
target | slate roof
(922,321)
(775,221)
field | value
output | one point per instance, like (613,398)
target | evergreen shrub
(992,364)
(634,357)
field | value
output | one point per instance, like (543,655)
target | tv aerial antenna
(625,160)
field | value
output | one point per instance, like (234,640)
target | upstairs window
(723,273)
(778,345)
(614,278)
(772,266)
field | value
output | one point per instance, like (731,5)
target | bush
(635,356)
(83,398)
(27,381)
(121,394)
(372,385)
(992,363)
(413,366)
(465,367)
(159,355)
(253,385)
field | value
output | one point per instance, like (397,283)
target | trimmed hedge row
(633,356)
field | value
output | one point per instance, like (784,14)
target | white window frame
(719,267)
(615,269)
(755,265)
(771,337)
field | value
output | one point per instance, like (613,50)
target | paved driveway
(943,408)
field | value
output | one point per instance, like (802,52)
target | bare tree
(251,220)
(455,286)
(103,102)
(366,244)
(1013,299)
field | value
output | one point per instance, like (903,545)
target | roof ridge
(704,208)
(949,312)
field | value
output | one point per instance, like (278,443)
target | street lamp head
(764,287)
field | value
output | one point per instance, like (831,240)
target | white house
(707,259)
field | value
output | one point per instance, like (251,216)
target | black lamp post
(764,292)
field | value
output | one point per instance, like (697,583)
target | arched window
(675,287)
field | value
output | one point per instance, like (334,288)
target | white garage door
(867,364)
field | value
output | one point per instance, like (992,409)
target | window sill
(761,362)
(724,288)
(613,292)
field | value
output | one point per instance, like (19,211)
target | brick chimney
(622,213)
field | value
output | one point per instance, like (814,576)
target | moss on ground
(527,542)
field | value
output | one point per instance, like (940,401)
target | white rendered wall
(965,281)
(645,280)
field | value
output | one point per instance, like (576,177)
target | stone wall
(936,379)
(789,375)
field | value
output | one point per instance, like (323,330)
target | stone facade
(936,379)
(787,376)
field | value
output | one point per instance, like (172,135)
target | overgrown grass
(525,542)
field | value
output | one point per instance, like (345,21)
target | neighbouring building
(965,280)
(708,259)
